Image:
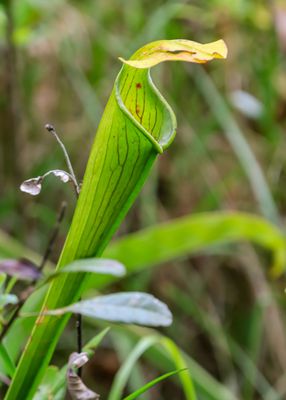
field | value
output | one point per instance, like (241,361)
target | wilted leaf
(23,269)
(77,389)
(177,50)
(33,186)
(130,308)
(58,384)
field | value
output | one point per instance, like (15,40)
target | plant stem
(50,128)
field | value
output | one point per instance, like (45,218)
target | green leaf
(95,342)
(194,233)
(100,266)
(126,368)
(6,361)
(180,362)
(44,391)
(137,125)
(152,383)
(129,308)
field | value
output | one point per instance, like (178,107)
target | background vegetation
(58,64)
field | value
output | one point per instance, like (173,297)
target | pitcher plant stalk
(137,125)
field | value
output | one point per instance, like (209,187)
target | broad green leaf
(137,125)
(129,308)
(152,383)
(194,233)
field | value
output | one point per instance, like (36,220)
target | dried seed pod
(33,186)
(77,389)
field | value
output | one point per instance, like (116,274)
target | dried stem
(79,337)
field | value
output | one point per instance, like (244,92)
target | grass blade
(180,363)
(239,144)
(206,386)
(149,385)
(126,368)
(142,346)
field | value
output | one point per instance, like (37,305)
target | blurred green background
(58,62)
